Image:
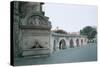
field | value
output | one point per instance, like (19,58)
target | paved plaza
(69,55)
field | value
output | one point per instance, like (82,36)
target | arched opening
(81,41)
(85,39)
(62,44)
(54,45)
(77,42)
(71,44)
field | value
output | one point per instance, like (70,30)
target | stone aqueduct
(63,41)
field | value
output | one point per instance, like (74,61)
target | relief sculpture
(36,20)
(37,44)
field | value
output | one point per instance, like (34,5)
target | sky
(70,18)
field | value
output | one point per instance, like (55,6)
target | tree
(60,31)
(89,31)
(92,34)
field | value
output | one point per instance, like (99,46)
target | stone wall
(31,28)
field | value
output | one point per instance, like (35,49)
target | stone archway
(54,45)
(77,42)
(62,44)
(71,43)
(81,41)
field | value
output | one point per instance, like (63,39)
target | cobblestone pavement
(69,55)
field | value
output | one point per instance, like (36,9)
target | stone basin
(36,51)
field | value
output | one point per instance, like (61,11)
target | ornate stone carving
(32,24)
(36,20)
(37,44)
(26,8)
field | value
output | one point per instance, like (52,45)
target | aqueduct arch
(81,41)
(71,43)
(77,42)
(54,46)
(62,44)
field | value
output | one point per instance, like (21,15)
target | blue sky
(70,18)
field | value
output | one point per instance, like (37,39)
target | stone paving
(69,55)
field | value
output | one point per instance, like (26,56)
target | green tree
(89,31)
(60,31)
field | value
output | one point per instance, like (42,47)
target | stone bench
(36,51)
